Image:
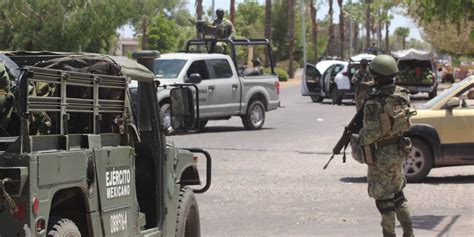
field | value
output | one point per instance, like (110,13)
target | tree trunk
(291,38)
(314,27)
(367,26)
(232,11)
(198,15)
(329,49)
(341,28)
(356,37)
(144,32)
(387,39)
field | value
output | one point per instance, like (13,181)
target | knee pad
(385,205)
(399,199)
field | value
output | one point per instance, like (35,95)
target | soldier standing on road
(363,83)
(386,117)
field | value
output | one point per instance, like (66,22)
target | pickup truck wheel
(165,114)
(419,162)
(187,223)
(59,227)
(317,98)
(255,116)
(336,96)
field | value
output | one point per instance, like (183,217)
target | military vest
(395,118)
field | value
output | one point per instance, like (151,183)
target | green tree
(74,25)
(163,34)
(402,33)
(143,10)
(249,21)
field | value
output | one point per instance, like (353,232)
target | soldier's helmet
(256,62)
(219,12)
(383,66)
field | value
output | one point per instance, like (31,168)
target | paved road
(271,182)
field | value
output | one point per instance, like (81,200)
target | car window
(198,67)
(336,70)
(168,68)
(443,94)
(467,98)
(220,67)
(312,71)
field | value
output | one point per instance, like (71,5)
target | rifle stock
(353,127)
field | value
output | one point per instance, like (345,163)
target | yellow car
(442,132)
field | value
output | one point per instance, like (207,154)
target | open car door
(311,82)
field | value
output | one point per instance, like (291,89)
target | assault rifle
(200,25)
(353,127)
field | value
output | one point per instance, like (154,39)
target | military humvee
(102,166)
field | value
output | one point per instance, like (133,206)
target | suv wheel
(419,161)
(317,98)
(255,116)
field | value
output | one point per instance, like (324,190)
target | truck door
(224,98)
(118,204)
(205,87)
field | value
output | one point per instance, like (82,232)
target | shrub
(281,73)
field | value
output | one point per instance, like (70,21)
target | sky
(398,20)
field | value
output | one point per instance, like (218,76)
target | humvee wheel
(62,227)
(187,223)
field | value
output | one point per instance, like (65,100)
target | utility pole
(213,9)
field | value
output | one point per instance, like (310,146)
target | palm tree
(367,23)
(331,30)
(232,11)
(314,26)
(291,38)
(341,28)
(402,33)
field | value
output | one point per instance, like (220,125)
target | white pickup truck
(224,91)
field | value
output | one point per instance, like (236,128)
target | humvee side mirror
(194,78)
(183,116)
(453,103)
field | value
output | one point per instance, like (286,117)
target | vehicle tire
(433,94)
(165,114)
(255,116)
(336,96)
(59,227)
(419,161)
(187,223)
(317,98)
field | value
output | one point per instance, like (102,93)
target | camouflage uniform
(387,113)
(226,28)
(6,100)
(386,117)
(363,82)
